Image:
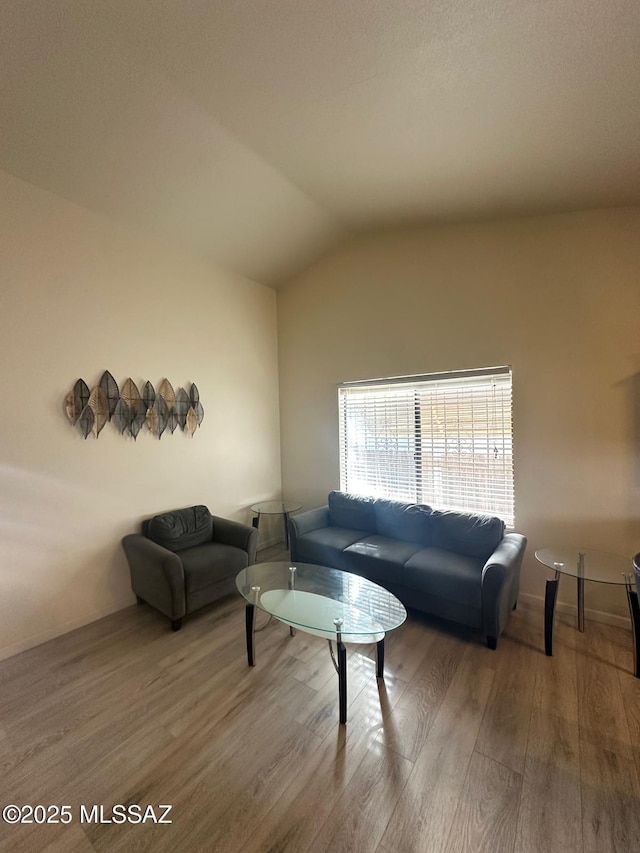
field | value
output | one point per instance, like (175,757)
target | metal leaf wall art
(162,410)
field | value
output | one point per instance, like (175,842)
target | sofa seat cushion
(208,564)
(378,558)
(434,571)
(325,545)
(182,528)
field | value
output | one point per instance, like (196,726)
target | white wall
(80,295)
(557,297)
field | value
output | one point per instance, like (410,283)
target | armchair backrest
(180,528)
(636,571)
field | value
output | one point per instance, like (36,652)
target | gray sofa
(185,559)
(460,566)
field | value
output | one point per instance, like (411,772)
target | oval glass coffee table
(587,565)
(338,606)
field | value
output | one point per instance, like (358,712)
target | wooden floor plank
(487,815)
(423,817)
(550,803)
(358,820)
(505,726)
(610,801)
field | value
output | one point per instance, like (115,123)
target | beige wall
(556,297)
(80,295)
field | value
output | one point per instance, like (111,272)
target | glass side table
(588,565)
(282,508)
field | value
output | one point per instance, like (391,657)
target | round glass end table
(282,508)
(588,565)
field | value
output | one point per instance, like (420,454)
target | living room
(161,247)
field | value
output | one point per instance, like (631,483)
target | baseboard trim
(52,633)
(595,615)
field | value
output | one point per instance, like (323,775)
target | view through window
(441,439)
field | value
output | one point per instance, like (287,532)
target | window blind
(442,439)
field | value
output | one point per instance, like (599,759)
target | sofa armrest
(237,534)
(157,575)
(305,522)
(500,583)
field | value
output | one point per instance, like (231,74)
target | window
(442,439)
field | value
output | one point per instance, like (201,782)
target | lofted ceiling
(260,132)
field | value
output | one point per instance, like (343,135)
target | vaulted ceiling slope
(259,132)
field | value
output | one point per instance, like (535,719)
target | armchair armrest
(305,522)
(157,575)
(500,584)
(234,533)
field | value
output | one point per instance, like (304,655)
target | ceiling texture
(261,132)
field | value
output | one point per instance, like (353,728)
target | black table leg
(634,609)
(550,595)
(250,621)
(342,680)
(380,659)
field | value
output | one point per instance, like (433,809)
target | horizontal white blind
(444,440)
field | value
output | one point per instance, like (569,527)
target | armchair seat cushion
(441,573)
(204,565)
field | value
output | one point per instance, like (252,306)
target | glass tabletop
(275,507)
(322,601)
(600,566)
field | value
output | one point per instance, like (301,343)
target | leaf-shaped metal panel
(172,420)
(100,408)
(167,393)
(148,395)
(130,393)
(182,406)
(162,416)
(81,390)
(85,422)
(197,408)
(194,394)
(192,422)
(151,420)
(138,413)
(121,418)
(110,389)
(72,406)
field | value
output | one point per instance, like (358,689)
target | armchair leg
(492,643)
(176,624)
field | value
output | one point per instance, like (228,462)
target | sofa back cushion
(181,528)
(469,533)
(409,522)
(356,512)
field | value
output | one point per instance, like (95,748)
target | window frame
(459,393)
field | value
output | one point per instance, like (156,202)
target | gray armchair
(185,559)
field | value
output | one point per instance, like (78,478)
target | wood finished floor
(460,749)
